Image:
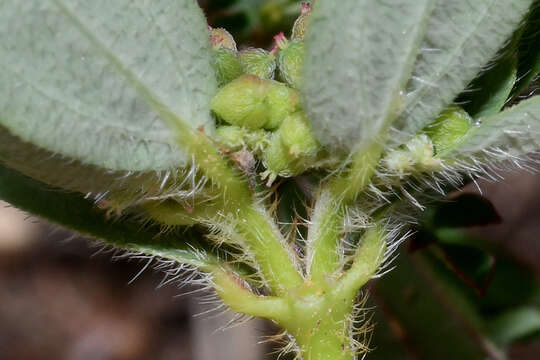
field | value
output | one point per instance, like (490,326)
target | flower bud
(241,102)
(277,160)
(222,39)
(282,101)
(227,65)
(255,103)
(416,156)
(297,136)
(231,137)
(292,150)
(234,138)
(421,151)
(290,59)
(449,129)
(258,62)
(301,24)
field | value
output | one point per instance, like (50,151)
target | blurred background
(466,284)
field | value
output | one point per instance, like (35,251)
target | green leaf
(512,285)
(462,37)
(359,57)
(529,52)
(96,83)
(489,93)
(471,264)
(116,186)
(428,313)
(515,324)
(464,210)
(82,215)
(511,133)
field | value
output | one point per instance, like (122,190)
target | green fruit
(449,128)
(241,102)
(297,136)
(281,101)
(258,62)
(290,61)
(227,65)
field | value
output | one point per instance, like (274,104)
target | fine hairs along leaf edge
(112,126)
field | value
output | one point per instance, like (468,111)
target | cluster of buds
(258,113)
(422,153)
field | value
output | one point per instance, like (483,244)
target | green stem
(328,341)
(272,255)
(320,323)
(325,236)
(239,298)
(259,232)
(214,166)
(368,259)
(354,181)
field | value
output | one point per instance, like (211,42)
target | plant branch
(368,258)
(238,297)
(264,240)
(325,237)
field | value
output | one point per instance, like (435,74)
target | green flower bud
(292,149)
(417,155)
(301,24)
(422,153)
(449,128)
(255,103)
(258,62)
(222,39)
(227,65)
(297,136)
(257,140)
(399,162)
(282,101)
(277,160)
(231,137)
(290,60)
(241,102)
(235,138)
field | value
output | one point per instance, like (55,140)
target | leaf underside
(359,56)
(97,82)
(515,132)
(75,212)
(359,76)
(61,172)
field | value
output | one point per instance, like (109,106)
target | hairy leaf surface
(359,57)
(96,82)
(462,37)
(513,132)
(372,64)
(75,212)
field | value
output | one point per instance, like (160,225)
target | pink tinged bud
(221,39)
(306,8)
(301,24)
(281,41)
